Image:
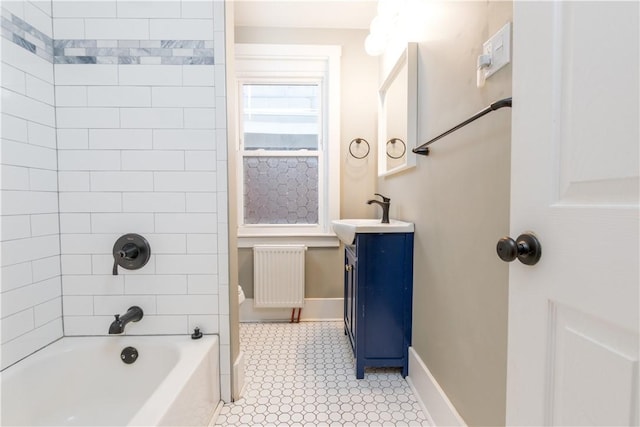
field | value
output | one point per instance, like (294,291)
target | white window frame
(282,64)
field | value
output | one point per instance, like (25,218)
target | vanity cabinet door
(350,284)
(382,302)
(377,299)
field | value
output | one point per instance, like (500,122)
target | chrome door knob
(526,248)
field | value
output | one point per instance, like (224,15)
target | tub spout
(384,204)
(134,314)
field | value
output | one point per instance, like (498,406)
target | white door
(573,317)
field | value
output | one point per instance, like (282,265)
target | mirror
(397,114)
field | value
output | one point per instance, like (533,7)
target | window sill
(328,240)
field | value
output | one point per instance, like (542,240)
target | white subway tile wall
(141,148)
(88,9)
(137,153)
(31,284)
(148,9)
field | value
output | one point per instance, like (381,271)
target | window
(281,133)
(288,162)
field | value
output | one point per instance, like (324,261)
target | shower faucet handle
(131,251)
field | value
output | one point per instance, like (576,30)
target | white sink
(346,229)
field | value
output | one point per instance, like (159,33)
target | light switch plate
(499,48)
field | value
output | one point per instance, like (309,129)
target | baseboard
(215,414)
(439,408)
(315,309)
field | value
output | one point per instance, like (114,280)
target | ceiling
(350,14)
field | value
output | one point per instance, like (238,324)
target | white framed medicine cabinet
(398,113)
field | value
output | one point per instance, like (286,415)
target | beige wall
(359,80)
(458,198)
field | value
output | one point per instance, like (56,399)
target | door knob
(526,248)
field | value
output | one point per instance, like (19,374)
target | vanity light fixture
(382,26)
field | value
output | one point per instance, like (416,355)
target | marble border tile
(76,51)
(27,37)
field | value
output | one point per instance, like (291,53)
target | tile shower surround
(137,152)
(162,52)
(31,277)
(196,213)
(141,147)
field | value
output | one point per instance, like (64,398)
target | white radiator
(278,276)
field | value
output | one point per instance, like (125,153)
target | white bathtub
(83,381)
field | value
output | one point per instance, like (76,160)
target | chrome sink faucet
(134,314)
(384,204)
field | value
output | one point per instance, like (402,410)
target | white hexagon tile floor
(302,374)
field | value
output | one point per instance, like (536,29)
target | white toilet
(241,296)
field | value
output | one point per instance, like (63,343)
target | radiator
(278,276)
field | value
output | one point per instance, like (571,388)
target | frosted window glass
(280,190)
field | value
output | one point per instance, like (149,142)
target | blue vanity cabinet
(378,291)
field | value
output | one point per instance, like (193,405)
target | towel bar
(424,149)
